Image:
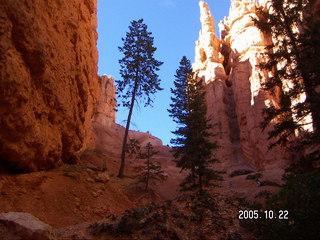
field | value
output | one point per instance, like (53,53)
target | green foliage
(293,58)
(300,197)
(150,170)
(138,67)
(192,149)
(179,107)
(138,70)
(133,147)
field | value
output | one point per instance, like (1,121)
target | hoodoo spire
(208,60)
(206,18)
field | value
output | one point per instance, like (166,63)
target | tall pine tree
(179,113)
(138,70)
(192,148)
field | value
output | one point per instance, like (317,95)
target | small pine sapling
(150,169)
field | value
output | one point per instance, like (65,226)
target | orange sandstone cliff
(48,81)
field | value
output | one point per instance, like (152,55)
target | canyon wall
(105,112)
(233,83)
(49,84)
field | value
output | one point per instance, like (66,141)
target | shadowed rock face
(48,81)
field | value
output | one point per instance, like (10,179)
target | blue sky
(175,25)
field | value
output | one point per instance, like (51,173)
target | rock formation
(105,111)
(209,66)
(17,225)
(49,83)
(109,137)
(209,60)
(233,80)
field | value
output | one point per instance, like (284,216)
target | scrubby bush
(150,169)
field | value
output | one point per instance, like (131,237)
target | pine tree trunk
(124,144)
(148,167)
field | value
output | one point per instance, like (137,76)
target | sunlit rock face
(209,60)
(233,79)
(209,66)
(105,113)
(49,83)
(107,134)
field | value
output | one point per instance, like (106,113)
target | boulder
(23,226)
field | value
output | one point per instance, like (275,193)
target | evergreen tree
(192,148)
(179,113)
(150,170)
(293,59)
(133,148)
(138,70)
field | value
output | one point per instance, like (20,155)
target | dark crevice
(225,51)
(7,167)
(234,125)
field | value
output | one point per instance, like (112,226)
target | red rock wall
(48,81)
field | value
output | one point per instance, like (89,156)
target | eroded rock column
(209,66)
